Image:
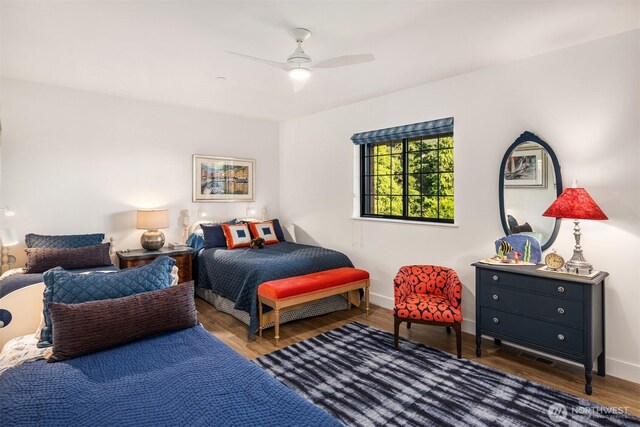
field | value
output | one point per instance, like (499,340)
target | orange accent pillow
(236,235)
(265,230)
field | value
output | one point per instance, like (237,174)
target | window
(407,172)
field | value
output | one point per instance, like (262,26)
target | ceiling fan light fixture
(299,73)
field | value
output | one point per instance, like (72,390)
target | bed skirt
(317,308)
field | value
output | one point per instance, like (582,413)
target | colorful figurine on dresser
(518,249)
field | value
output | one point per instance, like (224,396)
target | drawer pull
(496,297)
(560,310)
(561,289)
(496,320)
(495,278)
(561,337)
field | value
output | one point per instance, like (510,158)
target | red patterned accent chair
(430,295)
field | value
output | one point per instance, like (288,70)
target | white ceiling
(172,51)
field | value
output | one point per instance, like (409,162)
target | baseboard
(615,368)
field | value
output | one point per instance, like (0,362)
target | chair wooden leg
(458,328)
(366,299)
(448,330)
(396,331)
(408,325)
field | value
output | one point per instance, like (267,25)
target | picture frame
(526,168)
(223,179)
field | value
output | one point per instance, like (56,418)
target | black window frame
(366,194)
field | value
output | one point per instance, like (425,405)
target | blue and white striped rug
(355,374)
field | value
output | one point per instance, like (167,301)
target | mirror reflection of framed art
(526,167)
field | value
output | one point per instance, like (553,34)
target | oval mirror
(530,180)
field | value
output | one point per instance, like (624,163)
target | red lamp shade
(575,203)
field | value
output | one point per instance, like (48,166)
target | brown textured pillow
(521,228)
(40,260)
(97,325)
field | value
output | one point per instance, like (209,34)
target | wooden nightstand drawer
(525,283)
(138,257)
(558,310)
(531,331)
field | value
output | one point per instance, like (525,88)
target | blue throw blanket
(236,273)
(184,378)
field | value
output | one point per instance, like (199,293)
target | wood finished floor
(609,391)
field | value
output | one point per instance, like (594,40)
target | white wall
(75,162)
(583,101)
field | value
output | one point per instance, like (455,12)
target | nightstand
(138,257)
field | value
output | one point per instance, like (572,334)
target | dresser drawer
(537,332)
(526,283)
(557,310)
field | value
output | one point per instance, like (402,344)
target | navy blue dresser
(558,314)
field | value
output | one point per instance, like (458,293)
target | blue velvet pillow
(278,229)
(73,288)
(63,241)
(214,236)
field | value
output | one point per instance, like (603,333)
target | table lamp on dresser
(575,203)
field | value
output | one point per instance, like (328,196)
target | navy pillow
(73,288)
(63,241)
(278,229)
(213,236)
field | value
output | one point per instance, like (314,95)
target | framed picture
(223,179)
(526,167)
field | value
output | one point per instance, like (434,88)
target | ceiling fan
(298,64)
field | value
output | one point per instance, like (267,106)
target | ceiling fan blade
(342,61)
(281,65)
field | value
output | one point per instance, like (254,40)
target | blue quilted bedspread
(20,280)
(236,273)
(184,378)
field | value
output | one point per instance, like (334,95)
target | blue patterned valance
(432,127)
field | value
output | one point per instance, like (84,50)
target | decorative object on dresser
(223,179)
(138,257)
(152,220)
(8,238)
(575,203)
(430,295)
(559,315)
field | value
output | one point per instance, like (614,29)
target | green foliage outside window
(410,178)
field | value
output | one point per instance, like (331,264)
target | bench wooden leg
(276,321)
(366,300)
(259,318)
(349,300)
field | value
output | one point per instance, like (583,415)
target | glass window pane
(429,184)
(446,142)
(430,143)
(383,185)
(383,205)
(383,165)
(446,160)
(396,163)
(396,184)
(446,184)
(414,185)
(430,161)
(415,144)
(430,207)
(446,207)
(415,160)
(396,205)
(414,207)
(381,149)
(396,147)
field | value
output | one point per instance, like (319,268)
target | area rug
(355,374)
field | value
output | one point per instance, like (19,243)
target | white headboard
(193,227)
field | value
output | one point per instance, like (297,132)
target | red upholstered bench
(293,291)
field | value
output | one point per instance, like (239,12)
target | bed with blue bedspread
(183,378)
(235,274)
